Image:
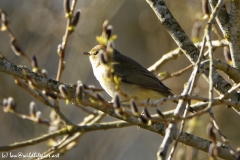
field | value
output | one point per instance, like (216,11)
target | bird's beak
(86,53)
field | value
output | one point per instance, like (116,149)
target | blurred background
(39,27)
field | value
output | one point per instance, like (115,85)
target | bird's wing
(132,72)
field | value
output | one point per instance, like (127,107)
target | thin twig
(91,119)
(65,131)
(189,89)
(34,140)
(15,47)
(177,73)
(33,119)
(176,52)
(63,46)
(36,94)
(155,127)
(186,45)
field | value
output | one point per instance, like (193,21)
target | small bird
(136,81)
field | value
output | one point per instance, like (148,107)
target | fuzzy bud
(32,109)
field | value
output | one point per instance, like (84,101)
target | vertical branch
(189,88)
(179,112)
(162,152)
(222,17)
(165,17)
(210,49)
(211,67)
(71,23)
(234,33)
(187,46)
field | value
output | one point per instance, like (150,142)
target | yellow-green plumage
(136,81)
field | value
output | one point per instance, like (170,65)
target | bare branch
(186,45)
(64,131)
(172,55)
(234,35)
(68,31)
(232,72)
(222,17)
(157,127)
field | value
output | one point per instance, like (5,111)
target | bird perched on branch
(135,80)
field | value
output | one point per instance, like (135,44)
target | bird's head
(95,55)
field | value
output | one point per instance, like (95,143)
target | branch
(65,144)
(71,24)
(232,72)
(67,130)
(44,100)
(40,81)
(187,46)
(172,55)
(234,34)
(222,17)
(13,40)
(157,127)
(180,111)
(34,141)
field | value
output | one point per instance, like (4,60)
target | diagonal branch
(157,127)
(176,52)
(234,34)
(187,46)
(65,131)
(222,17)
(41,81)
(232,72)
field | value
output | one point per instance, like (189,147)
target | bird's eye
(95,53)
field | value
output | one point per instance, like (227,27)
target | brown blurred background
(39,27)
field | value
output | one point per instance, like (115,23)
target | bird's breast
(132,90)
(101,73)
